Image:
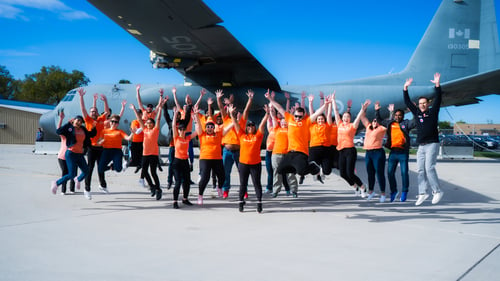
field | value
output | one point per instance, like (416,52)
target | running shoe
(436,197)
(421,198)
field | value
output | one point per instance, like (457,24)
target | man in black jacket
(398,141)
(426,120)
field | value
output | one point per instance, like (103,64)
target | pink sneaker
(200,200)
(219,192)
(53,187)
(246,195)
(77,183)
(225,194)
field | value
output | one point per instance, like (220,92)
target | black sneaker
(318,177)
(259,207)
(153,191)
(160,168)
(158,193)
(137,169)
(169,185)
(295,195)
(176,206)
(186,201)
(301,180)
(241,204)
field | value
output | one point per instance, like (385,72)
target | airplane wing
(185,35)
(464,91)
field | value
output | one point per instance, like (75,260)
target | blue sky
(321,42)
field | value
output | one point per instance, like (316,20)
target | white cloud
(13,9)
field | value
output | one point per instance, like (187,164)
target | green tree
(50,85)
(443,125)
(124,81)
(7,83)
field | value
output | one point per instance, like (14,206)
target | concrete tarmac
(325,234)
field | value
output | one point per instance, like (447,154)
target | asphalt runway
(325,234)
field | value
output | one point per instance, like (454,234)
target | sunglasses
(298,116)
(209,126)
(114,121)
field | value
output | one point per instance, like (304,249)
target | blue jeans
(229,157)
(74,160)
(396,157)
(375,165)
(269,169)
(108,155)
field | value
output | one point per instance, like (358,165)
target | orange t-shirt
(374,137)
(333,134)
(146,115)
(99,127)
(345,135)
(398,139)
(181,147)
(210,146)
(298,133)
(280,140)
(250,147)
(319,135)
(113,138)
(271,138)
(231,137)
(136,137)
(80,138)
(150,144)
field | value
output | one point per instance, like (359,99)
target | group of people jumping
(299,142)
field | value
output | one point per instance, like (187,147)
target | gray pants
(426,167)
(277,178)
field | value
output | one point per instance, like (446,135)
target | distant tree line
(48,86)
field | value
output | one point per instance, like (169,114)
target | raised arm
(137,117)
(139,101)
(174,124)
(202,93)
(61,118)
(174,93)
(219,95)
(250,95)
(361,113)
(335,110)
(413,108)
(106,105)
(329,111)
(124,103)
(81,92)
(320,110)
(232,113)
(160,101)
(274,103)
(287,96)
(263,122)
(311,109)
(436,104)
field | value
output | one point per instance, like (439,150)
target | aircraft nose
(48,125)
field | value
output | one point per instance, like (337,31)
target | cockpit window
(69,96)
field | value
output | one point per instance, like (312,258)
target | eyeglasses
(209,126)
(114,121)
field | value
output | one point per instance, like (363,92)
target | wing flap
(464,91)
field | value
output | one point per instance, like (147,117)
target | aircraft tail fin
(461,40)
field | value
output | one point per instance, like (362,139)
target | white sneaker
(436,197)
(382,199)
(87,194)
(421,198)
(141,183)
(200,200)
(62,193)
(104,190)
(370,196)
(363,193)
(124,166)
(53,187)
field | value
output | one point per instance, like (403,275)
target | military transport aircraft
(461,43)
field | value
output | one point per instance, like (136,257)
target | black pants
(297,163)
(320,155)
(181,175)
(151,162)
(347,163)
(210,165)
(255,171)
(334,157)
(94,156)
(64,169)
(135,154)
